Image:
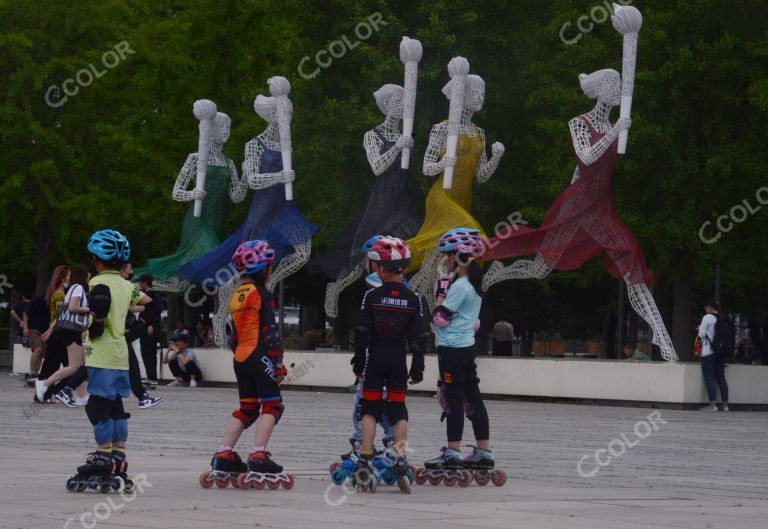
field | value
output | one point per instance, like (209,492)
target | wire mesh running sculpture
(582,223)
(216,178)
(457,150)
(272,216)
(388,209)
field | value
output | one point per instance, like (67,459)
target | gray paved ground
(702,471)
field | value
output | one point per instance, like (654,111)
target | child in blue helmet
(373,281)
(106,354)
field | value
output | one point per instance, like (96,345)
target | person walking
(503,334)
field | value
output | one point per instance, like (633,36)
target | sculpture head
(474,92)
(603,85)
(221,127)
(389,99)
(266,108)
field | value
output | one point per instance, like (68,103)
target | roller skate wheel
(205,480)
(81,487)
(288,482)
(105,488)
(404,484)
(373,484)
(258,484)
(272,485)
(242,481)
(222,483)
(482,479)
(466,478)
(333,467)
(434,479)
(420,476)
(129,486)
(117,484)
(72,484)
(233,481)
(338,476)
(450,481)
(499,478)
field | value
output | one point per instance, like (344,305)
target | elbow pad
(441,317)
(477,324)
(100,301)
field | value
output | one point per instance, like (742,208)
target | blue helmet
(367,245)
(109,245)
(462,240)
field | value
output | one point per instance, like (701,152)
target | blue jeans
(714,371)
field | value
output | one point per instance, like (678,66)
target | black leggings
(192,369)
(55,357)
(458,373)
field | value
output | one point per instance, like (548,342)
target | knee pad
(248,413)
(98,409)
(120,430)
(396,412)
(274,407)
(117,411)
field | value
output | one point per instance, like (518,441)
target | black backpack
(724,342)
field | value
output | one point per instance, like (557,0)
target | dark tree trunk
(682,330)
(42,245)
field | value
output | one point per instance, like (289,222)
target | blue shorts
(108,383)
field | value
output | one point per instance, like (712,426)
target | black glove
(417,368)
(358,362)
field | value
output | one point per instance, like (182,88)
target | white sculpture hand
(198,194)
(286,177)
(448,161)
(403,142)
(497,149)
(624,123)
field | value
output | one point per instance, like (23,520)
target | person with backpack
(717,335)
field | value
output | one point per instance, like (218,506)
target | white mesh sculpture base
(334,289)
(290,264)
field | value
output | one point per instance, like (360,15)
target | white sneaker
(193,383)
(725,407)
(40,389)
(81,401)
(711,407)
(174,383)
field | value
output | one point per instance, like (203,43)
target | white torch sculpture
(279,87)
(627,20)
(205,111)
(410,55)
(458,69)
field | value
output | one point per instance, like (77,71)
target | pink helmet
(252,257)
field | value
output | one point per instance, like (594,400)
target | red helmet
(391,253)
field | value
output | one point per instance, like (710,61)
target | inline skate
(226,468)
(365,477)
(447,468)
(481,464)
(263,472)
(98,473)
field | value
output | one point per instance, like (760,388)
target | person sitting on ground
(632,352)
(182,363)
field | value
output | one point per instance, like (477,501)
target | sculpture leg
(642,301)
(221,317)
(423,281)
(290,264)
(609,236)
(333,290)
(551,250)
